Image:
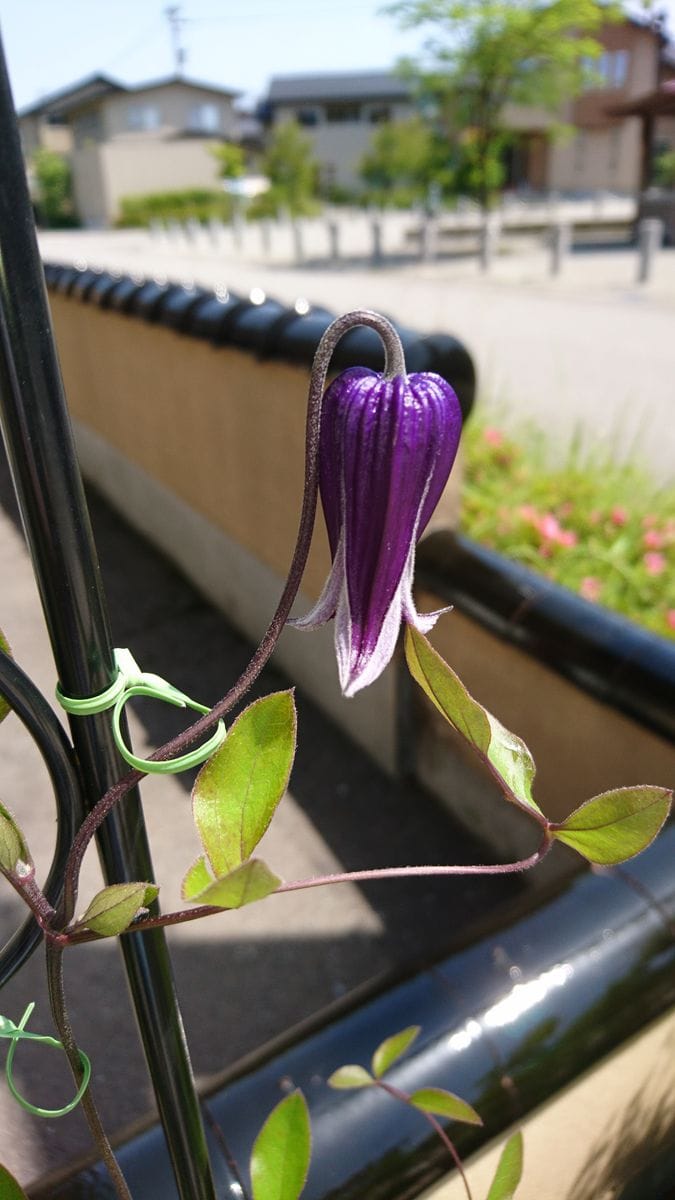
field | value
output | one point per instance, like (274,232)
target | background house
(130,140)
(338,112)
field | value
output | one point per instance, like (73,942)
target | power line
(176,21)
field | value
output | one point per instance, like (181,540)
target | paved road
(590,350)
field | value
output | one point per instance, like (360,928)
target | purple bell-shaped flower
(386,449)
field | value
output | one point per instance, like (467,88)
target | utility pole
(172,13)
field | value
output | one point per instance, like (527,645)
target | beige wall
(175,102)
(340,146)
(105,172)
(597,159)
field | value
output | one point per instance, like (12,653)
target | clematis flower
(386,449)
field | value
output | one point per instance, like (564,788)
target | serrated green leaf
(13,848)
(615,825)
(503,751)
(445,1104)
(252,881)
(509,1170)
(238,789)
(392,1048)
(281,1152)
(4,706)
(113,909)
(9,1188)
(350,1076)
(197,878)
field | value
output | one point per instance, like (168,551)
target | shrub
(602,529)
(198,203)
(53,181)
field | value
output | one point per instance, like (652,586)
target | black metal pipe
(510,1018)
(39,719)
(40,448)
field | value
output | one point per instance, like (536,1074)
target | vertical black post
(40,448)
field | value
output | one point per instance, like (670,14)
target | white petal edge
(327,604)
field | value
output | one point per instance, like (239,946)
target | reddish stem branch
(398,1094)
(367,876)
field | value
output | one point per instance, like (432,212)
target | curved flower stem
(435,1125)
(57,1003)
(394,363)
(367,876)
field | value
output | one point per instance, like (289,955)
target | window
(342,111)
(307,117)
(612,67)
(205,118)
(87,128)
(379,114)
(143,117)
(621,61)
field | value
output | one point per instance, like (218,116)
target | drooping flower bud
(386,449)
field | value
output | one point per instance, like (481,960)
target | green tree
(53,182)
(403,160)
(231,160)
(290,166)
(484,54)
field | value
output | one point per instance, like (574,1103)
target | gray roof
(345,85)
(94,87)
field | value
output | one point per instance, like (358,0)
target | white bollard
(376,256)
(298,245)
(266,235)
(333,230)
(428,238)
(489,236)
(650,238)
(560,242)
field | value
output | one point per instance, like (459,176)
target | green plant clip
(131,681)
(16,1033)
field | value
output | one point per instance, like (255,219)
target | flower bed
(603,529)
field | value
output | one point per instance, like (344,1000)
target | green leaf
(113,909)
(351,1076)
(198,878)
(506,754)
(9,1188)
(4,706)
(444,1104)
(509,1170)
(392,1048)
(238,789)
(615,825)
(252,881)
(13,848)
(281,1152)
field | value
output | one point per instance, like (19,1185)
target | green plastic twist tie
(131,681)
(17,1033)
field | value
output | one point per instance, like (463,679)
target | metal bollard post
(266,236)
(237,228)
(489,235)
(333,242)
(215,228)
(376,257)
(560,243)
(428,239)
(298,245)
(650,238)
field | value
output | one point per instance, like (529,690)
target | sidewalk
(242,977)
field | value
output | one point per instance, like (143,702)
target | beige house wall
(90,187)
(597,159)
(339,146)
(175,103)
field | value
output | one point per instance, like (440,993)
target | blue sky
(237,43)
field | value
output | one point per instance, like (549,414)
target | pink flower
(567,537)
(493,437)
(649,519)
(670,618)
(549,527)
(618,515)
(590,587)
(653,540)
(654,563)
(528,512)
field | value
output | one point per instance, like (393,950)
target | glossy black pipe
(30,706)
(518,1012)
(41,452)
(613,659)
